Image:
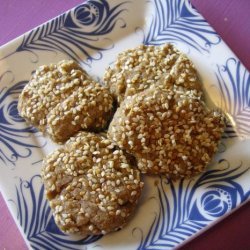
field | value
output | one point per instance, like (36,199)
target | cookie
(143,67)
(60,99)
(91,185)
(169,132)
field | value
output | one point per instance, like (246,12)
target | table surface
(231,233)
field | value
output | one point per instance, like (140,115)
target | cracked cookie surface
(91,185)
(169,132)
(143,67)
(61,99)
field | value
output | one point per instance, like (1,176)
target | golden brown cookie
(146,66)
(169,132)
(91,185)
(61,99)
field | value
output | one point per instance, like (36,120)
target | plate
(93,34)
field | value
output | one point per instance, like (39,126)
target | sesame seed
(160,136)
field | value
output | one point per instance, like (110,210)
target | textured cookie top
(91,185)
(49,85)
(145,66)
(64,93)
(87,108)
(169,132)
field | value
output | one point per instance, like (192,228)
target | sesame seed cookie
(169,132)
(91,185)
(145,66)
(60,99)
(88,108)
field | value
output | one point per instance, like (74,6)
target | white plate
(93,33)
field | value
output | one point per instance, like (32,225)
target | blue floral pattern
(184,211)
(234,83)
(180,23)
(15,133)
(75,33)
